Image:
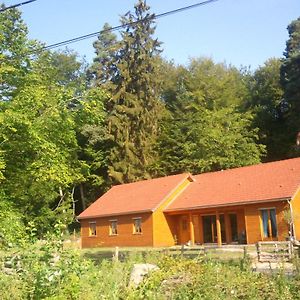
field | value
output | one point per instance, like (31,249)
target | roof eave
(114,214)
(226,204)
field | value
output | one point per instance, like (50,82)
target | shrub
(12,228)
(44,270)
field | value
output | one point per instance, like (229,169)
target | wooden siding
(125,236)
(295,204)
(164,226)
(254,223)
(248,221)
(183,233)
(183,229)
(198,229)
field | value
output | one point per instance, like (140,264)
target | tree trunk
(83,200)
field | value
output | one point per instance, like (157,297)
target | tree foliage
(15,50)
(266,103)
(90,132)
(290,79)
(69,71)
(12,227)
(103,69)
(68,130)
(133,109)
(206,131)
(38,140)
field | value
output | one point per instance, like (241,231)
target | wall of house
(249,223)
(183,229)
(198,229)
(164,226)
(183,232)
(295,204)
(253,221)
(125,236)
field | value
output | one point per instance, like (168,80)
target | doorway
(210,228)
(233,227)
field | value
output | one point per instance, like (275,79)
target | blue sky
(239,32)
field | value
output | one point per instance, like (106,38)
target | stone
(8,271)
(139,271)
(8,264)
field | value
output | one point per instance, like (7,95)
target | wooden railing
(190,251)
(274,251)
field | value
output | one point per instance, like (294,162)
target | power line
(161,15)
(16,5)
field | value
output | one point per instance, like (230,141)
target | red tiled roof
(275,180)
(139,196)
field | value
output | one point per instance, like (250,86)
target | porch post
(192,233)
(227,228)
(219,234)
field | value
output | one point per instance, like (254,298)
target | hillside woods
(70,130)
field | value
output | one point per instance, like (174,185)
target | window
(269,224)
(113,230)
(137,225)
(92,229)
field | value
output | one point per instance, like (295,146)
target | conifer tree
(102,70)
(134,109)
(290,79)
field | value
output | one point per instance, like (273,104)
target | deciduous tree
(15,52)
(38,140)
(266,104)
(206,130)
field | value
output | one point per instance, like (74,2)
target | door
(233,227)
(209,229)
(184,230)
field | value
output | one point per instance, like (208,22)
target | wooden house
(241,205)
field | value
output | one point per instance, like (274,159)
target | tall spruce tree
(133,110)
(103,69)
(290,79)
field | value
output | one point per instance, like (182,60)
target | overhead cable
(16,5)
(155,16)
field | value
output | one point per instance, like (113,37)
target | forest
(71,129)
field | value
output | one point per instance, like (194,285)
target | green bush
(187,279)
(12,228)
(44,270)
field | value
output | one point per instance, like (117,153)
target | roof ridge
(261,164)
(150,179)
(271,180)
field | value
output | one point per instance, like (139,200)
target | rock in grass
(138,273)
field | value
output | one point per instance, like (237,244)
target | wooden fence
(274,251)
(191,251)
